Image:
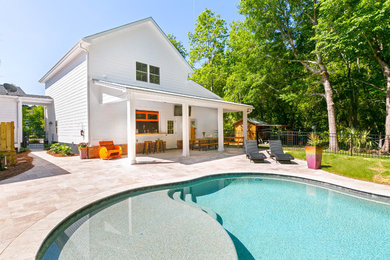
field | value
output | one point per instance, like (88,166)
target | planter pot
(313,157)
(83,153)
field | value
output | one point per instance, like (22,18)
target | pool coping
(28,243)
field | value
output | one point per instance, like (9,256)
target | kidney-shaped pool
(228,217)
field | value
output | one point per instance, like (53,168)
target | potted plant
(83,149)
(314,151)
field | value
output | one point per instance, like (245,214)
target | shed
(256,129)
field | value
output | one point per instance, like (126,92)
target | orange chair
(108,150)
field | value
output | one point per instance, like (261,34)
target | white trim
(71,54)
(158,95)
(30,100)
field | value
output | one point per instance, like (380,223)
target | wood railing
(234,141)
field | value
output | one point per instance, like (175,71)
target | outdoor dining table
(206,143)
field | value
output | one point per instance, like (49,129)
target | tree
(286,29)
(178,44)
(207,44)
(34,121)
(255,79)
(361,27)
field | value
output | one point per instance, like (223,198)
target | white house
(11,100)
(130,84)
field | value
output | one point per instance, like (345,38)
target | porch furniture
(108,150)
(252,151)
(160,146)
(205,143)
(148,147)
(234,141)
(276,151)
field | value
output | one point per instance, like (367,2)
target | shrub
(23,149)
(60,149)
(55,147)
(2,166)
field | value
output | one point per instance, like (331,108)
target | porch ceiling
(175,98)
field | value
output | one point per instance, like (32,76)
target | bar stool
(159,146)
(148,147)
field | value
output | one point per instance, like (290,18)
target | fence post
(278,134)
(351,144)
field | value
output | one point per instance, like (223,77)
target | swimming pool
(252,217)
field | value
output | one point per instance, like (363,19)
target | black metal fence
(359,144)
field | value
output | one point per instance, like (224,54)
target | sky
(34,35)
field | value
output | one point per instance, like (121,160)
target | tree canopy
(303,63)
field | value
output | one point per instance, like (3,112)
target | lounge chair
(252,151)
(276,151)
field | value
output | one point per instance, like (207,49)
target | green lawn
(369,169)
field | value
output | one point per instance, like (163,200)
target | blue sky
(34,35)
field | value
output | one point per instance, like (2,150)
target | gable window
(146,122)
(170,127)
(141,71)
(154,74)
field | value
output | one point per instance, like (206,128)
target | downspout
(88,94)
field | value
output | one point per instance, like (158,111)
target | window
(146,122)
(141,71)
(170,127)
(178,110)
(154,74)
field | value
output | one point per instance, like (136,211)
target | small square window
(141,72)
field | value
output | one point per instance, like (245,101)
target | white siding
(109,120)
(206,120)
(69,92)
(9,112)
(113,58)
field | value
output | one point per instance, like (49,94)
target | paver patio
(32,203)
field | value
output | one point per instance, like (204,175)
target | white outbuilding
(12,98)
(130,85)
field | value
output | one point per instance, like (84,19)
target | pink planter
(313,156)
(83,154)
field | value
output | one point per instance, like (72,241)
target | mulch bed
(24,165)
(60,155)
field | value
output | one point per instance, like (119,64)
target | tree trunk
(333,141)
(386,145)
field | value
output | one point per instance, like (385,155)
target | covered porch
(199,123)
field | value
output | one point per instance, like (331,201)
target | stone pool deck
(32,203)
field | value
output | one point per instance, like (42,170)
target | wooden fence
(7,145)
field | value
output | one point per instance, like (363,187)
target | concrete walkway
(33,203)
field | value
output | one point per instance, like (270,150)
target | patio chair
(252,151)
(276,151)
(108,150)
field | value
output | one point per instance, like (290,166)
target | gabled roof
(15,91)
(81,45)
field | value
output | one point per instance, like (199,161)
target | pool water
(252,217)
(276,219)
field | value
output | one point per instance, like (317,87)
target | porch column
(131,128)
(51,123)
(19,125)
(186,131)
(220,129)
(245,124)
